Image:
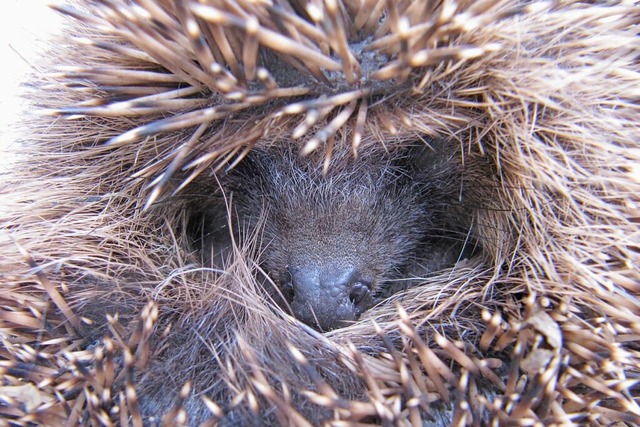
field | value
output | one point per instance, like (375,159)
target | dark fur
(380,219)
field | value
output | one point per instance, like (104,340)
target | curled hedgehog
(327,212)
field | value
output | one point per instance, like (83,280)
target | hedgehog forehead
(347,176)
(353,199)
(375,231)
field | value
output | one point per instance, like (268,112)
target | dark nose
(328,298)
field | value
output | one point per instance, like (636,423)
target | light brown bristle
(302,45)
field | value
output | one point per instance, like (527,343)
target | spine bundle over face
(306,212)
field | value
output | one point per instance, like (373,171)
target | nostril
(286,285)
(359,293)
(288,291)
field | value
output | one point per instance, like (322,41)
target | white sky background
(24,25)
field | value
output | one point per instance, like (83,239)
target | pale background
(24,28)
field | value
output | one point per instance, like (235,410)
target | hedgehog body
(113,312)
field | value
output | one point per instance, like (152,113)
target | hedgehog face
(330,258)
(331,241)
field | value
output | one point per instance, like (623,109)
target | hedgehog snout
(329,297)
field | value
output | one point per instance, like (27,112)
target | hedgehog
(144,276)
